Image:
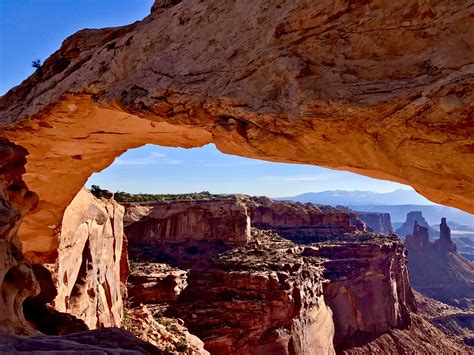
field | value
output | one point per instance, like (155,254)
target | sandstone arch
(379,88)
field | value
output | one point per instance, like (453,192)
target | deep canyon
(297,82)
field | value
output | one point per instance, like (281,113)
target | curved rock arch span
(378,88)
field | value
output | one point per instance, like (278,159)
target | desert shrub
(181,346)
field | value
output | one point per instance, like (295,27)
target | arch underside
(383,90)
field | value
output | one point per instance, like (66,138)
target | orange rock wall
(89,261)
(383,89)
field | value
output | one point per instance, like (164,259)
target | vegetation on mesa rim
(125,197)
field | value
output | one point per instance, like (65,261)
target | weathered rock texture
(89,261)
(297,219)
(156,283)
(271,295)
(167,334)
(418,338)
(302,81)
(369,291)
(437,270)
(255,300)
(224,221)
(17,279)
(377,222)
(416,217)
(450,320)
(99,341)
(444,243)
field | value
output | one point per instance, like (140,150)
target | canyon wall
(275,296)
(225,221)
(377,222)
(88,268)
(437,270)
(300,82)
(369,290)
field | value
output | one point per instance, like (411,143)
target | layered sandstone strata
(225,221)
(369,290)
(167,334)
(376,222)
(272,295)
(416,217)
(258,299)
(437,270)
(88,269)
(302,82)
(156,283)
(294,219)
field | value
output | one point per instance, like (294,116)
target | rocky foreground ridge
(312,283)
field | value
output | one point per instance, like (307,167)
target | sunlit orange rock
(378,88)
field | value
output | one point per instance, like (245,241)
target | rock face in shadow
(89,261)
(306,82)
(412,218)
(99,341)
(17,279)
(376,222)
(369,291)
(437,270)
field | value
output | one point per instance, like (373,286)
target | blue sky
(173,170)
(31,29)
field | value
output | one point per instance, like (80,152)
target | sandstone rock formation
(444,243)
(437,270)
(297,219)
(89,261)
(450,320)
(377,222)
(99,341)
(168,335)
(412,217)
(419,335)
(224,221)
(302,82)
(271,295)
(156,283)
(18,281)
(418,239)
(369,291)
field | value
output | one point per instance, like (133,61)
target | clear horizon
(160,170)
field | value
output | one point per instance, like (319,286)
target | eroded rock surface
(302,82)
(225,221)
(88,269)
(369,290)
(167,334)
(280,293)
(437,270)
(376,222)
(416,217)
(17,278)
(294,219)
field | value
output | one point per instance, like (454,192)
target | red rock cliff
(89,261)
(299,81)
(226,221)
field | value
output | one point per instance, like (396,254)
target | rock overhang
(388,96)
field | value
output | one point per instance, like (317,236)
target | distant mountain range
(344,197)
(398,203)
